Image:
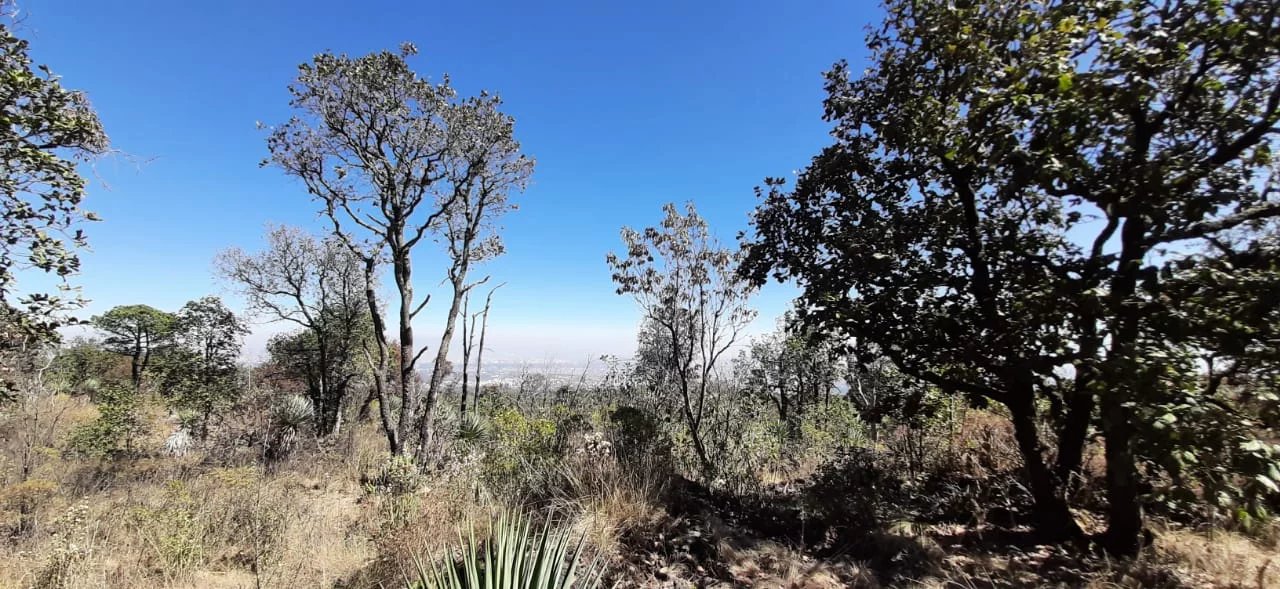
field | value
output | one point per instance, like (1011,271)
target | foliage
(318,285)
(200,373)
(48,130)
(172,532)
(118,425)
(694,305)
(792,369)
(81,366)
(289,415)
(137,331)
(519,449)
(514,555)
(72,548)
(394,159)
(636,434)
(1007,187)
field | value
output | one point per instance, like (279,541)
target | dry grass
(1221,559)
(175,522)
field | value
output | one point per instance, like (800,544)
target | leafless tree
(469,345)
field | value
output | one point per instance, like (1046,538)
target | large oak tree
(1008,186)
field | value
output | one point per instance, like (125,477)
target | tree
(1007,185)
(691,296)
(318,285)
(470,232)
(136,331)
(792,369)
(389,154)
(48,129)
(469,346)
(82,366)
(200,373)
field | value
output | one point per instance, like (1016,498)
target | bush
(521,451)
(118,424)
(171,532)
(395,487)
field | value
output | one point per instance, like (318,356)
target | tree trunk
(426,430)
(409,409)
(1075,427)
(1124,511)
(380,368)
(135,367)
(484,326)
(466,355)
(1053,516)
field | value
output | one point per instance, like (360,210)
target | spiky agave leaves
(292,412)
(288,416)
(472,430)
(514,556)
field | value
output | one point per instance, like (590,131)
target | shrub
(172,532)
(636,433)
(24,498)
(71,549)
(119,422)
(395,486)
(521,451)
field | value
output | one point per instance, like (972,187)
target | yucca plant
(515,556)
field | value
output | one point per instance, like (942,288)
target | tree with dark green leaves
(47,131)
(200,371)
(1010,187)
(136,331)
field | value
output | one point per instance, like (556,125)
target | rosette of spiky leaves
(292,412)
(472,430)
(515,555)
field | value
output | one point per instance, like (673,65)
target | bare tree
(318,285)
(469,345)
(691,296)
(389,155)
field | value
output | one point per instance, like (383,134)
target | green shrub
(119,422)
(520,450)
(395,485)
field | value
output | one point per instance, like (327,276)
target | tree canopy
(1011,185)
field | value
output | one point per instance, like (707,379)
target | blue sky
(625,106)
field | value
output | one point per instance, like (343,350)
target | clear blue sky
(625,105)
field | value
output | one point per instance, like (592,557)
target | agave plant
(515,556)
(288,417)
(292,412)
(472,430)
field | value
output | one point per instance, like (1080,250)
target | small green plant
(115,430)
(514,555)
(395,486)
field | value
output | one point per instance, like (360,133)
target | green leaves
(47,129)
(514,556)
